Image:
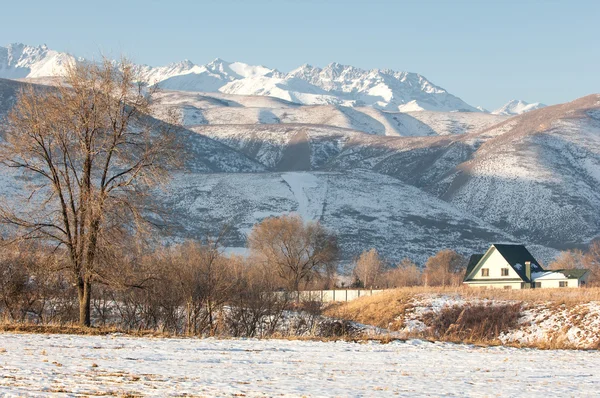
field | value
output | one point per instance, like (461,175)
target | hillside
(408,184)
(198,108)
(537,176)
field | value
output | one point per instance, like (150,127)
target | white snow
(300,183)
(575,325)
(517,107)
(334,84)
(64,365)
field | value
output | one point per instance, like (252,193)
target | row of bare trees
(191,288)
(445,268)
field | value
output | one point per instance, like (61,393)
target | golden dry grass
(386,309)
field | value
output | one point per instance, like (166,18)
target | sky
(486,52)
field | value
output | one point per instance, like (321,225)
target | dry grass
(480,324)
(383,310)
(74,329)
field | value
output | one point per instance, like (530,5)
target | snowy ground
(39,365)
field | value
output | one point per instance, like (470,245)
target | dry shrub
(384,310)
(473,323)
(336,328)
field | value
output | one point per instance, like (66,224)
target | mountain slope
(365,209)
(218,109)
(538,176)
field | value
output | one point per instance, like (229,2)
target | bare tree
(445,268)
(591,261)
(296,250)
(206,280)
(92,152)
(369,268)
(406,273)
(568,259)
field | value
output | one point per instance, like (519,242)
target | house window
(485,272)
(563,284)
(537,285)
(504,271)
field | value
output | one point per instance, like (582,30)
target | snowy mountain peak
(517,107)
(335,84)
(19,60)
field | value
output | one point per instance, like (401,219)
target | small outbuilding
(507,266)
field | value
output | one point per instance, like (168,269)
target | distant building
(513,267)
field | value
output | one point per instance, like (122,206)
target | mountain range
(334,84)
(407,183)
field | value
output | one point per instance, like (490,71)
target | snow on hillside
(333,85)
(538,178)
(365,209)
(45,365)
(446,123)
(517,107)
(217,108)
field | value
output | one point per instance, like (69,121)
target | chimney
(528,271)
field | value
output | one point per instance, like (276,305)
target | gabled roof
(516,256)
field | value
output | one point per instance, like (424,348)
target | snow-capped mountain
(19,61)
(517,107)
(334,85)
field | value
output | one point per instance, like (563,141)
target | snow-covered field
(44,365)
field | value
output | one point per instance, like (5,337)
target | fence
(328,296)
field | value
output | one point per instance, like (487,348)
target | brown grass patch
(384,310)
(481,323)
(74,329)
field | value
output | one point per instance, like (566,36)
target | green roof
(572,273)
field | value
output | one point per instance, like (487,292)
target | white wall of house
(495,262)
(555,283)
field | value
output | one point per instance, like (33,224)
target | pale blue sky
(486,52)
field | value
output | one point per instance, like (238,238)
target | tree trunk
(84,292)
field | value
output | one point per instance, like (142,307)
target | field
(66,365)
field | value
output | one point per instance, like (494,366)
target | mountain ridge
(335,84)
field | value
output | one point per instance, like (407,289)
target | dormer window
(504,271)
(485,272)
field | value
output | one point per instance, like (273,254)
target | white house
(513,267)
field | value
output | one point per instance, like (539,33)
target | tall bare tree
(296,250)
(369,268)
(92,152)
